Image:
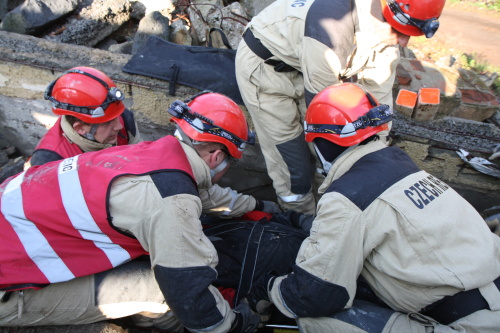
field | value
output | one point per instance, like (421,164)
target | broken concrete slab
(33,16)
(94,23)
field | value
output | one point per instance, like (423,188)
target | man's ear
(79,127)
(216,158)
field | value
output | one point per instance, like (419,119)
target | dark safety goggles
(376,116)
(428,27)
(203,124)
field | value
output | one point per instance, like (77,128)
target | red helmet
(413,17)
(213,117)
(345,114)
(87,94)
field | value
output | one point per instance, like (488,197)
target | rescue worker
(295,48)
(423,250)
(92,116)
(70,228)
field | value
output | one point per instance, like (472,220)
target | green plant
(487,4)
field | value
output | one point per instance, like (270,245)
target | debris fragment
(480,164)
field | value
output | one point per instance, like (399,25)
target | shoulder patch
(173,182)
(373,174)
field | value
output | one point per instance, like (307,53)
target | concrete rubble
(39,39)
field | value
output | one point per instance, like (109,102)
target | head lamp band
(203,124)
(428,27)
(376,116)
(114,95)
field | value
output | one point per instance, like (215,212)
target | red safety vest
(55,217)
(56,141)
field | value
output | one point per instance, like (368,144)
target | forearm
(225,202)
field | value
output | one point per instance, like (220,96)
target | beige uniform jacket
(350,46)
(410,235)
(169,228)
(326,41)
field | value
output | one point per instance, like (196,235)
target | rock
(12,167)
(94,23)
(138,10)
(8,5)
(34,15)
(153,24)
(253,7)
(125,48)
(199,12)
(180,33)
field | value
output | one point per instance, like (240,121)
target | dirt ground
(464,28)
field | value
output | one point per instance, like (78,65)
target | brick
(405,102)
(427,104)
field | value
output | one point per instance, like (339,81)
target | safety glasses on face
(376,116)
(203,124)
(114,95)
(428,27)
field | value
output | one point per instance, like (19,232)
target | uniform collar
(200,168)
(346,160)
(85,144)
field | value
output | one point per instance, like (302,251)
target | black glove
(294,219)
(246,320)
(258,298)
(267,206)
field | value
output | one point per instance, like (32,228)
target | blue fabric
(187,294)
(374,173)
(308,296)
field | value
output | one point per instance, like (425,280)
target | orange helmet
(87,94)
(213,117)
(413,17)
(345,114)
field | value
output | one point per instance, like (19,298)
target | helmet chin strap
(218,169)
(90,135)
(326,165)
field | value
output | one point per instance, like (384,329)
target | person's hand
(294,219)
(246,320)
(267,206)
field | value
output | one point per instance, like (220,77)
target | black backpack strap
(173,80)
(222,35)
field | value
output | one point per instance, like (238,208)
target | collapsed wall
(29,64)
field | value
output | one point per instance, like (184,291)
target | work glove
(267,206)
(246,320)
(294,219)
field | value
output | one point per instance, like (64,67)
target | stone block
(427,104)
(476,105)
(405,102)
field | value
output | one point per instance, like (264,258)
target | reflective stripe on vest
(35,243)
(55,218)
